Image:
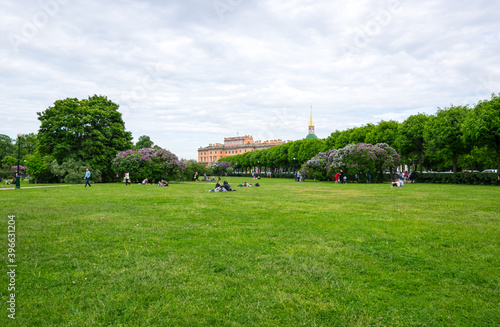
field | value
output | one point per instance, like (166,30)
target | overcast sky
(189,73)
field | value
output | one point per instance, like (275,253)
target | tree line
(89,133)
(454,138)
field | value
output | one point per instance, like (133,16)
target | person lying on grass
(249,185)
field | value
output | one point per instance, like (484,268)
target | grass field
(284,254)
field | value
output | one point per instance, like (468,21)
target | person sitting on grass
(398,183)
(13,182)
(218,188)
(227,187)
(163,183)
(144,182)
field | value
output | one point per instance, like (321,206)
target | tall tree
(309,148)
(410,140)
(144,142)
(90,130)
(36,165)
(28,144)
(482,126)
(7,147)
(383,132)
(443,134)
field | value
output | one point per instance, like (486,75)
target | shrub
(459,178)
(153,164)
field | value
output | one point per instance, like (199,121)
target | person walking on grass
(196,177)
(87,178)
(127,178)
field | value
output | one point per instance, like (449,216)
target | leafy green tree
(193,166)
(482,126)
(444,136)
(331,140)
(144,142)
(72,171)
(9,161)
(410,140)
(383,132)
(283,161)
(7,146)
(343,139)
(28,144)
(479,159)
(36,165)
(89,130)
(293,154)
(308,149)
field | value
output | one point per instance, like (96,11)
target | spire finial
(311,123)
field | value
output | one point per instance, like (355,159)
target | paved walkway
(13,188)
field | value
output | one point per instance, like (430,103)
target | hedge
(459,178)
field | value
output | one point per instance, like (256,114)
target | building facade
(231,147)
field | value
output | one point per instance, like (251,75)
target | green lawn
(284,254)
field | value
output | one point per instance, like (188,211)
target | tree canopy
(89,130)
(482,126)
(144,142)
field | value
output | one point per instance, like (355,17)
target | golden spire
(311,123)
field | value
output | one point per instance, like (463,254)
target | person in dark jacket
(226,186)
(413,176)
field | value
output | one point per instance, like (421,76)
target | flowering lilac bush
(362,159)
(21,167)
(356,160)
(317,167)
(153,164)
(220,168)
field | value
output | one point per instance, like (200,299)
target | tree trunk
(498,155)
(420,161)
(454,164)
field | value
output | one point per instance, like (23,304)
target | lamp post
(18,181)
(293,167)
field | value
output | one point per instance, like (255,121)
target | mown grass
(284,254)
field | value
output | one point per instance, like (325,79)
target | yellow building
(233,146)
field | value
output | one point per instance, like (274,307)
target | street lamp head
(19,135)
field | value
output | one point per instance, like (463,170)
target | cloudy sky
(189,73)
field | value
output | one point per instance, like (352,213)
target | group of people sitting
(224,187)
(248,185)
(209,179)
(13,182)
(146,182)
